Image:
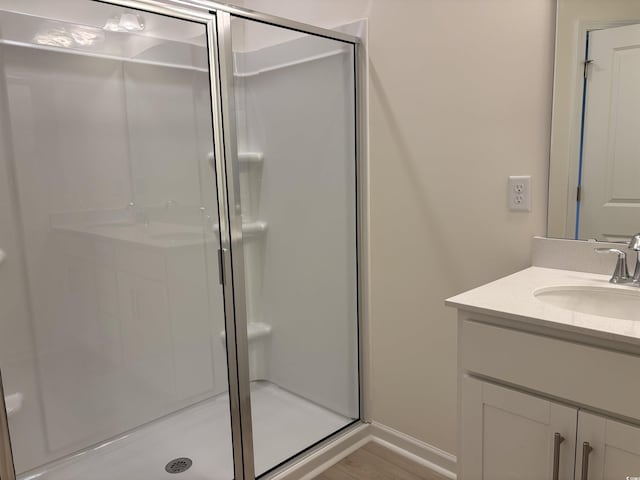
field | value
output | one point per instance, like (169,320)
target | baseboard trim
(311,465)
(415,450)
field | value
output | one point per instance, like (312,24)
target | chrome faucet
(634,244)
(621,272)
(138,214)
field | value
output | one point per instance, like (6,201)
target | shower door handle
(221,253)
(7,471)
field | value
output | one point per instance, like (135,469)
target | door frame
(587,28)
(576,123)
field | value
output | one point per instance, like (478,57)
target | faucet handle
(634,243)
(621,272)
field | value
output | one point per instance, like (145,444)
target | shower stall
(180,240)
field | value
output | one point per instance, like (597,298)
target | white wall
(460,97)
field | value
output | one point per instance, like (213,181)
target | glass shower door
(294,99)
(111,313)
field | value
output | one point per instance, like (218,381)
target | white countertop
(512,298)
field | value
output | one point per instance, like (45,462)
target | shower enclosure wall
(179,239)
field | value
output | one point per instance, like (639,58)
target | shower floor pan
(283,424)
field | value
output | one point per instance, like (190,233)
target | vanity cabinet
(521,390)
(616,447)
(510,435)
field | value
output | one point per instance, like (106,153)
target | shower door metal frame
(224,13)
(234,276)
(231,248)
(217,19)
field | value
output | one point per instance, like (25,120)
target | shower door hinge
(586,68)
(579,194)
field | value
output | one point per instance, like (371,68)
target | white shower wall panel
(120,333)
(16,342)
(296,107)
(168,153)
(57,155)
(69,126)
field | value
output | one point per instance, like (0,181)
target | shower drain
(178,465)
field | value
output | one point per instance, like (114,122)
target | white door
(610,206)
(509,435)
(613,449)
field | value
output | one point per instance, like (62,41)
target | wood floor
(374,462)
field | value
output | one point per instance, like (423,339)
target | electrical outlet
(520,193)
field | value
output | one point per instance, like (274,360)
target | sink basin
(614,302)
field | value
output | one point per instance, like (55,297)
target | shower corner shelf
(254,228)
(249,229)
(255,330)
(251,158)
(13,403)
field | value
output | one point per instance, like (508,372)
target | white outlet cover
(519,193)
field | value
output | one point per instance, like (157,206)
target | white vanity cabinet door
(616,448)
(510,435)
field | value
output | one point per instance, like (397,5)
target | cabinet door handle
(557,440)
(586,450)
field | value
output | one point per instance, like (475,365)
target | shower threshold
(283,425)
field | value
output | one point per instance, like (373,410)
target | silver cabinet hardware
(586,450)
(557,440)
